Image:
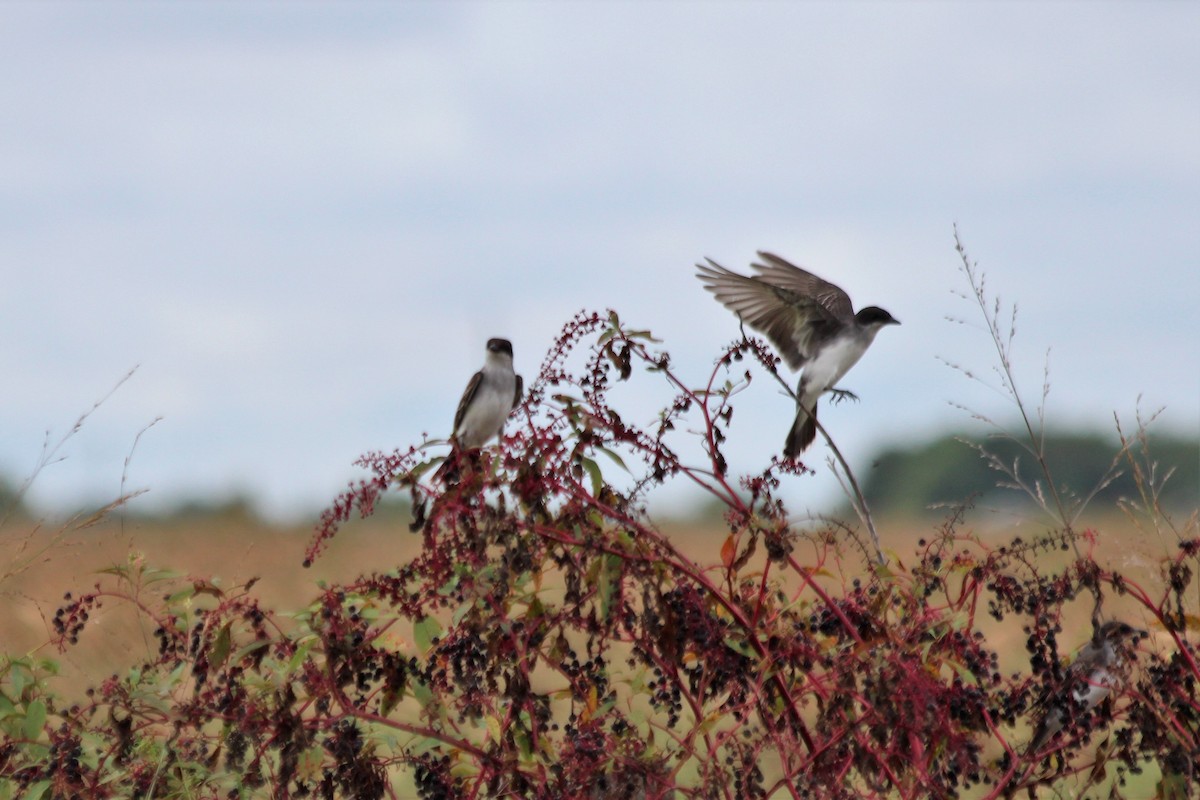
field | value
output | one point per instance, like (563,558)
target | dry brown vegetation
(233,549)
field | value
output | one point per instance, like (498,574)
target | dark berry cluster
(70,619)
(354,772)
(432,777)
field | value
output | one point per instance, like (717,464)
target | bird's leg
(838,395)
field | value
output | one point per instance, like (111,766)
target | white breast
(1094,689)
(488,410)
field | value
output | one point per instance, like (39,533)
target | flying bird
(1088,680)
(491,394)
(809,320)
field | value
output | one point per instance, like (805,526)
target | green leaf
(46,665)
(740,646)
(299,656)
(642,335)
(449,587)
(420,469)
(593,471)
(611,454)
(176,675)
(536,609)
(710,722)
(35,791)
(35,720)
(424,744)
(524,744)
(220,648)
(424,632)
(460,612)
(310,762)
(609,581)
(19,678)
(257,644)
(494,731)
(422,694)
(155,575)
(183,594)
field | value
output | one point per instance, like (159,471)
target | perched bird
(1091,676)
(809,320)
(491,394)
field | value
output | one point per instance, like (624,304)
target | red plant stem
(730,495)
(756,615)
(1143,597)
(1013,759)
(687,568)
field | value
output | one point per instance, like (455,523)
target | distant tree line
(914,480)
(10,501)
(951,468)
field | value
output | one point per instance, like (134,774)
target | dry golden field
(41,564)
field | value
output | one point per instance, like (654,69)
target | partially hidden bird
(810,321)
(1097,668)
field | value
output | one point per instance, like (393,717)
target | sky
(300,222)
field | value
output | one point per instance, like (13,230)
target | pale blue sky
(303,220)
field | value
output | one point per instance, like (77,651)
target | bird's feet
(838,395)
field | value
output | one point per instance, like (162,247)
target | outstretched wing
(774,270)
(793,320)
(468,396)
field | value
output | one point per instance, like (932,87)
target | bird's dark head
(874,315)
(1117,631)
(500,346)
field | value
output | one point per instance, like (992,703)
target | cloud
(303,221)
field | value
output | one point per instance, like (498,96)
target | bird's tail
(804,430)
(1050,724)
(449,471)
